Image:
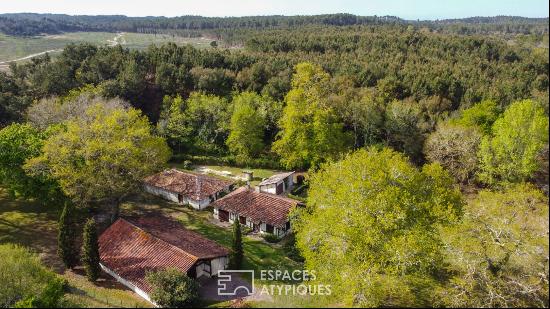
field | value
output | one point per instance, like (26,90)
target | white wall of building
(167,195)
(271,188)
(173,197)
(128,284)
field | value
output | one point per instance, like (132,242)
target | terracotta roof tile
(131,247)
(259,206)
(194,186)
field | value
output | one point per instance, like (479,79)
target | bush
(25,282)
(187,164)
(171,288)
(271,238)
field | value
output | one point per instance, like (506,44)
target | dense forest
(425,142)
(34,24)
(411,78)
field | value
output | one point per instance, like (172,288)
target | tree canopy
(500,251)
(370,226)
(247,126)
(511,153)
(310,130)
(104,154)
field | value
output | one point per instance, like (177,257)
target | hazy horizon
(266,15)
(409,10)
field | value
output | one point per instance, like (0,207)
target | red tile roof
(193,186)
(259,206)
(131,247)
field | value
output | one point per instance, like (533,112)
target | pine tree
(237,256)
(66,245)
(90,250)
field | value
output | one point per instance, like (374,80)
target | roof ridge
(162,240)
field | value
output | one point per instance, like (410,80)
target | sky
(407,9)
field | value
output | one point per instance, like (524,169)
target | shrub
(172,288)
(187,164)
(246,230)
(271,238)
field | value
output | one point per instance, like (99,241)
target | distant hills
(29,24)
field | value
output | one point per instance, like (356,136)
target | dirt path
(30,56)
(118,39)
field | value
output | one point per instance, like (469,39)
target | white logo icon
(231,283)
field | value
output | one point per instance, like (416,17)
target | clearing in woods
(23,48)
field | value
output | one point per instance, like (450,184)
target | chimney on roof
(257,189)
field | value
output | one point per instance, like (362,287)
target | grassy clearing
(12,48)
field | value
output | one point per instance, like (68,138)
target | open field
(19,48)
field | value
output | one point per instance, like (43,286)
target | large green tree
(18,143)
(311,132)
(511,153)
(481,115)
(200,123)
(247,127)
(102,155)
(370,228)
(499,252)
